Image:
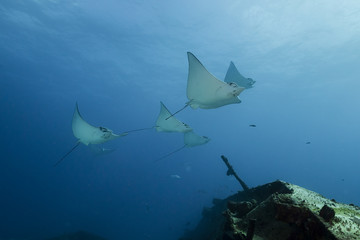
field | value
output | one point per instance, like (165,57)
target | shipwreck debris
(327,213)
(251,229)
(282,211)
(232,172)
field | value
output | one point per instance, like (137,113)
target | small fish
(175,176)
(308,142)
(252,125)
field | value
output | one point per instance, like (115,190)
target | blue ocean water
(119,59)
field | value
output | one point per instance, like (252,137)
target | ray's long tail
(138,130)
(187,104)
(67,154)
(167,155)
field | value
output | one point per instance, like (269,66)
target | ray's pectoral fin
(233,75)
(191,139)
(166,122)
(89,134)
(204,90)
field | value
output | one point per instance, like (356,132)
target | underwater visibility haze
(293,115)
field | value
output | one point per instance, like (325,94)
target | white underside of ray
(88,134)
(166,123)
(233,75)
(191,139)
(206,91)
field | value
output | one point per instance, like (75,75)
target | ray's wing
(165,123)
(206,91)
(88,134)
(201,84)
(81,129)
(191,139)
(233,75)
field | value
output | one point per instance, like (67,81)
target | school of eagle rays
(203,91)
